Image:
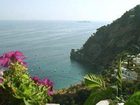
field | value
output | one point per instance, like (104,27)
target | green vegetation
(134,99)
(101,89)
(16,85)
(103,46)
(110,84)
(19,87)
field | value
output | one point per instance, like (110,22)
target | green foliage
(119,78)
(94,82)
(99,89)
(134,99)
(98,95)
(21,88)
(103,91)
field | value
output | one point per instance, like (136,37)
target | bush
(16,85)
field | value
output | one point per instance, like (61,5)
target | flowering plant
(16,85)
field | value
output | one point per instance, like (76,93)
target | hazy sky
(96,10)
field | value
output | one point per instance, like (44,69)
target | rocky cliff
(121,35)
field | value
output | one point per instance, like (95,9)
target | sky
(95,10)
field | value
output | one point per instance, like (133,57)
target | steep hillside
(121,35)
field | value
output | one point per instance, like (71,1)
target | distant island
(83,21)
(121,35)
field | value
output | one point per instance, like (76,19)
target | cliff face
(121,35)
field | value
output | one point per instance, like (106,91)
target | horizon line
(53,20)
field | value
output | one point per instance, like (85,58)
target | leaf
(134,99)
(26,102)
(96,96)
(93,81)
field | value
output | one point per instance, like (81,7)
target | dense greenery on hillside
(103,46)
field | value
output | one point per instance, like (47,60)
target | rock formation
(121,35)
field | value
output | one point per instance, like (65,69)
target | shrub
(16,85)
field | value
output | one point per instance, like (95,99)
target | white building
(127,74)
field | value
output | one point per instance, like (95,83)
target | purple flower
(50,92)
(4,62)
(35,79)
(49,84)
(45,82)
(11,57)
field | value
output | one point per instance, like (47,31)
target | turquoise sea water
(47,46)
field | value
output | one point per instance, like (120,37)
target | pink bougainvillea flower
(45,82)
(4,61)
(11,57)
(35,79)
(50,92)
(19,56)
(48,83)
(25,64)
(8,55)
(18,53)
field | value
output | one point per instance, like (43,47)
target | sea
(47,46)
